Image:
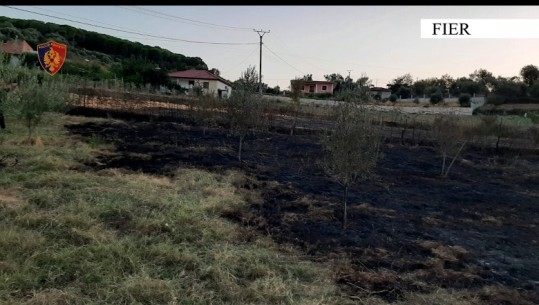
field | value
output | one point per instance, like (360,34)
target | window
(311,88)
(191,83)
(206,85)
(324,88)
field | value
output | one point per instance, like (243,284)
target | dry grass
(72,235)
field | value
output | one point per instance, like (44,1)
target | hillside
(99,56)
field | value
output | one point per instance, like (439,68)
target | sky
(380,42)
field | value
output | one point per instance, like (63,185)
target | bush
(416,101)
(495,99)
(436,97)
(393,98)
(464,100)
(32,98)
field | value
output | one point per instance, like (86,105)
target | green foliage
(244,107)
(402,85)
(352,147)
(449,139)
(296,87)
(248,80)
(393,98)
(273,91)
(30,99)
(534,90)
(530,74)
(495,99)
(436,98)
(510,90)
(464,100)
(115,57)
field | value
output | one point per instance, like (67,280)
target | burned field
(409,229)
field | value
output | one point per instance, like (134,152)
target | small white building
(384,93)
(16,49)
(207,81)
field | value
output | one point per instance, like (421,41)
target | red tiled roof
(16,47)
(198,74)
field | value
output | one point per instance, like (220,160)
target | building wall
(383,94)
(318,88)
(213,88)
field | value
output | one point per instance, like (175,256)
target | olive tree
(449,139)
(244,107)
(352,148)
(32,98)
(296,87)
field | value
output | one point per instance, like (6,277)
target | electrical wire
(136,33)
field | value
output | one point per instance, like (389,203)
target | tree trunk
(239,148)
(2,121)
(444,155)
(454,158)
(30,127)
(345,212)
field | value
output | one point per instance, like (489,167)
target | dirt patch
(408,229)
(11,199)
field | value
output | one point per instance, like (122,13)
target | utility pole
(261,34)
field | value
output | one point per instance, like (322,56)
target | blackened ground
(409,230)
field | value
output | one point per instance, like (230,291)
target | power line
(194,22)
(43,9)
(283,60)
(301,57)
(132,32)
(244,59)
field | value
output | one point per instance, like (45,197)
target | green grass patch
(73,235)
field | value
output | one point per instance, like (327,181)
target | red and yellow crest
(51,56)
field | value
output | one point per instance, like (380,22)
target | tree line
(98,56)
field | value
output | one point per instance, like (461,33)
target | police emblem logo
(51,56)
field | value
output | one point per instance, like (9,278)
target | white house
(207,81)
(383,93)
(15,49)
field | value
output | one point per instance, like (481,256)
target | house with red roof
(209,83)
(314,86)
(16,48)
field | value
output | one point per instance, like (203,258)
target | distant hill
(99,56)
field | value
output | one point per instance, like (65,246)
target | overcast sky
(381,42)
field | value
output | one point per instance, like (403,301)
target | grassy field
(70,234)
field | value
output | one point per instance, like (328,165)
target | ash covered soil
(408,229)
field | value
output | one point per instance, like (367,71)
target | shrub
(464,100)
(32,98)
(352,148)
(495,99)
(436,97)
(393,97)
(449,139)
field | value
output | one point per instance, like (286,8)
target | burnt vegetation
(441,204)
